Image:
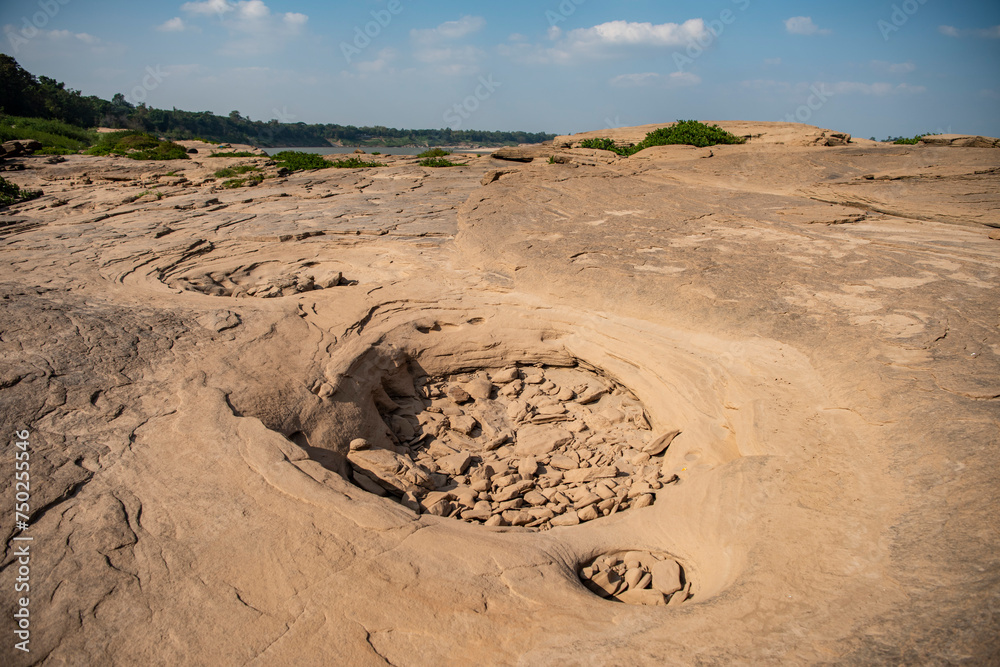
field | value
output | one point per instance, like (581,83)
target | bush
(235,171)
(440,162)
(137,146)
(604,145)
(10,193)
(235,154)
(296,161)
(908,141)
(435,152)
(353,163)
(686,132)
(57,138)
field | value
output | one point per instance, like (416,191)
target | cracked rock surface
(696,406)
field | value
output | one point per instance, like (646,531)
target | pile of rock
(271,288)
(536,447)
(637,577)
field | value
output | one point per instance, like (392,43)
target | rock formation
(734,404)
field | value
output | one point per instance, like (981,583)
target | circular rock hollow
(536,446)
(637,577)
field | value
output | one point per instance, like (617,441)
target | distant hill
(22,94)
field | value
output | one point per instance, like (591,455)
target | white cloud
(803,25)
(607,40)
(877,89)
(893,68)
(648,79)
(175,24)
(985,33)
(463,27)
(253,28)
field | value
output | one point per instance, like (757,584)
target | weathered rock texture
(203,372)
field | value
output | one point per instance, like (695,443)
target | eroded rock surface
(259,415)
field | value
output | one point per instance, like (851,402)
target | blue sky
(871,68)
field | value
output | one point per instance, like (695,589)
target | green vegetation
(10,193)
(23,94)
(435,152)
(909,141)
(234,183)
(56,137)
(376,153)
(441,162)
(687,132)
(353,163)
(157,193)
(236,171)
(296,161)
(604,145)
(234,154)
(137,146)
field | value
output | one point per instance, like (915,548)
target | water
(343,150)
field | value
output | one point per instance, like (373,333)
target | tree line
(23,94)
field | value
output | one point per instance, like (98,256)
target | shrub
(235,154)
(57,138)
(296,161)
(353,163)
(234,183)
(687,132)
(435,152)
(10,193)
(235,171)
(440,162)
(137,146)
(604,145)
(909,141)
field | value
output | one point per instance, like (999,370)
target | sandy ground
(193,364)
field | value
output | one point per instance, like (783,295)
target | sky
(867,67)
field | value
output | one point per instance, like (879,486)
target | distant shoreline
(385,150)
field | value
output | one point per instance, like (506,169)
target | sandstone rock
(480,388)
(512,491)
(660,445)
(591,395)
(666,576)
(646,597)
(568,519)
(586,475)
(588,513)
(506,376)
(359,444)
(463,424)
(458,395)
(535,498)
(604,583)
(495,175)
(455,464)
(535,440)
(642,501)
(528,467)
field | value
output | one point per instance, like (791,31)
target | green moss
(353,163)
(137,146)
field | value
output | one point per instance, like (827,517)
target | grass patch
(684,132)
(10,193)
(137,146)
(908,141)
(296,161)
(235,154)
(440,162)
(353,163)
(434,152)
(235,171)
(159,195)
(57,138)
